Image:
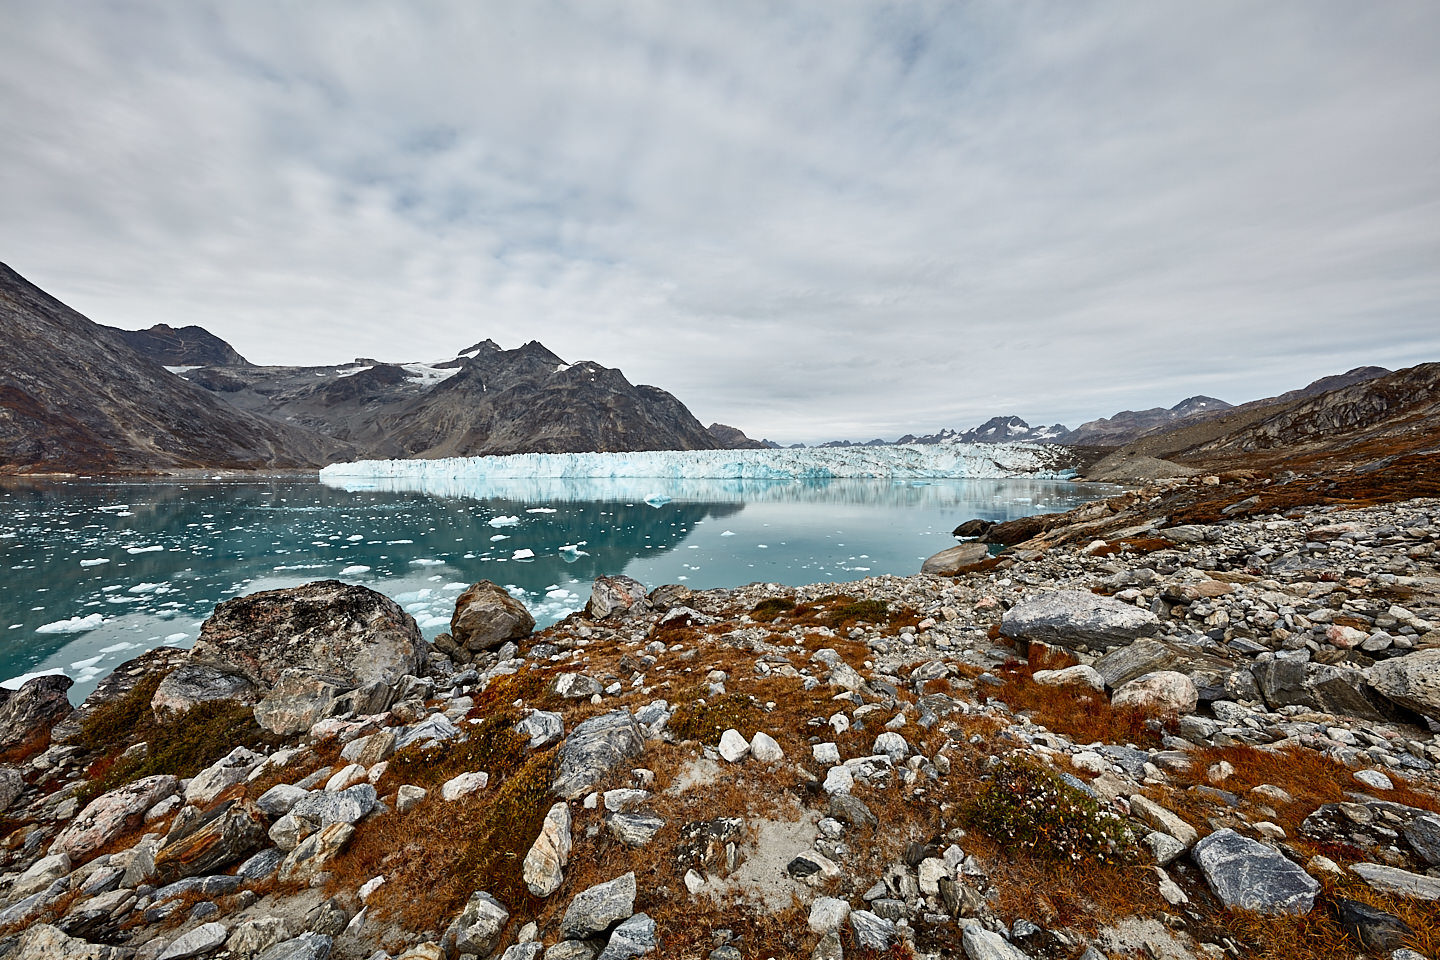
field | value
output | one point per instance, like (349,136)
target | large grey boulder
(596,910)
(324,807)
(111,814)
(1289,678)
(192,684)
(982,944)
(1248,875)
(27,714)
(228,834)
(307,946)
(1162,692)
(1074,618)
(616,596)
(41,941)
(347,634)
(298,700)
(1412,681)
(480,925)
(949,562)
(485,617)
(1123,664)
(593,749)
(204,939)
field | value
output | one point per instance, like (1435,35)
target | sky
(811,220)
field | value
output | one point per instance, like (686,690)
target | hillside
(189,346)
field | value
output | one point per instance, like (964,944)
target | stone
(543,869)
(1163,847)
(872,932)
(433,728)
(486,616)
(1289,678)
(1375,930)
(198,942)
(570,950)
(1423,835)
(575,686)
(981,944)
(1083,676)
(812,868)
(192,684)
(39,876)
(1374,779)
(1123,664)
(828,914)
(543,728)
(634,829)
(1162,692)
(1150,812)
(12,785)
(297,701)
(261,865)
(257,935)
(616,596)
(596,910)
(852,811)
(1399,882)
(323,807)
(1247,875)
(221,775)
(838,780)
(593,749)
(347,776)
(408,797)
(892,745)
(279,799)
(826,753)
(1411,681)
(112,814)
(348,634)
(765,749)
(634,937)
(315,852)
(41,941)
(1073,618)
(524,951)
(480,925)
(28,714)
(307,946)
(464,785)
(733,747)
(227,834)
(947,563)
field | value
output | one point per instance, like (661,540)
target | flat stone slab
(1248,875)
(1397,881)
(1074,618)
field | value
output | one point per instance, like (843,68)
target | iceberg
(909,462)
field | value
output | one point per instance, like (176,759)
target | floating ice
(87,663)
(426,562)
(146,588)
(498,537)
(728,533)
(657,500)
(522,554)
(15,683)
(95,562)
(72,625)
(153,548)
(504,521)
(541,510)
(176,637)
(121,647)
(354,569)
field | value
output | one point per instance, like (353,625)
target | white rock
(221,775)
(764,748)
(1088,761)
(826,753)
(1374,779)
(828,914)
(839,779)
(408,797)
(464,785)
(346,777)
(201,940)
(733,747)
(892,745)
(1082,675)
(543,870)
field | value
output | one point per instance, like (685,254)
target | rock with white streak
(544,866)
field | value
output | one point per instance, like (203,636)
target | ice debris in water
(95,562)
(354,569)
(15,683)
(504,521)
(72,625)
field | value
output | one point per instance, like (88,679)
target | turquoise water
(93,573)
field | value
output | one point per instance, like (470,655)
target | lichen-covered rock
(315,853)
(296,702)
(1289,678)
(1074,618)
(192,684)
(635,937)
(1162,692)
(486,616)
(27,714)
(616,596)
(111,814)
(593,749)
(41,941)
(480,925)
(949,562)
(1412,681)
(598,909)
(345,633)
(1248,875)
(221,775)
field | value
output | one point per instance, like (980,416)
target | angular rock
(1399,882)
(279,799)
(464,785)
(41,941)
(1289,678)
(28,714)
(39,876)
(1247,875)
(598,909)
(433,728)
(111,814)
(296,702)
(1162,692)
(733,747)
(1147,810)
(204,939)
(1082,675)
(593,749)
(323,807)
(616,596)
(315,853)
(575,686)
(307,946)
(872,932)
(1375,930)
(1123,664)
(544,866)
(229,833)
(258,935)
(543,728)
(828,914)
(634,829)
(221,775)
(764,748)
(1412,681)
(347,634)
(1423,835)
(635,937)
(982,944)
(486,616)
(12,784)
(480,925)
(949,562)
(1073,618)
(892,745)
(192,684)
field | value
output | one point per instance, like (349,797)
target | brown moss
(492,745)
(705,719)
(1082,714)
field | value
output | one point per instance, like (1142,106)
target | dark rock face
(346,634)
(27,714)
(74,395)
(485,617)
(732,438)
(1130,425)
(952,561)
(1375,930)
(180,347)
(1247,875)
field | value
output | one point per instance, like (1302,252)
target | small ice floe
(572,552)
(87,663)
(15,683)
(354,569)
(121,647)
(498,537)
(541,510)
(355,537)
(392,543)
(146,588)
(504,521)
(426,562)
(525,553)
(657,500)
(72,625)
(152,548)
(95,562)
(728,533)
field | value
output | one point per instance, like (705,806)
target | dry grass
(492,746)
(1083,715)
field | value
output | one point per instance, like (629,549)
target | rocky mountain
(994,430)
(76,396)
(733,438)
(1130,425)
(190,346)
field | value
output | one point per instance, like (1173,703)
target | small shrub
(706,721)
(769,610)
(848,614)
(531,686)
(1034,812)
(116,722)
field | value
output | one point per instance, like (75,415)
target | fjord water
(94,573)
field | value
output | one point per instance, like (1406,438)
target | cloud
(849,220)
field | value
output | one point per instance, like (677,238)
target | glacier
(909,462)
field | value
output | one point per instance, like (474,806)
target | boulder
(598,909)
(973,528)
(616,596)
(982,944)
(1398,882)
(204,939)
(192,684)
(27,714)
(226,835)
(1082,675)
(324,807)
(1074,618)
(39,875)
(593,749)
(542,727)
(635,937)
(112,814)
(296,702)
(221,775)
(41,941)
(345,633)
(12,784)
(1375,930)
(307,946)
(664,597)
(1162,692)
(480,925)
(1412,681)
(486,616)
(1123,664)
(949,562)
(315,852)
(1248,875)
(543,869)
(1289,678)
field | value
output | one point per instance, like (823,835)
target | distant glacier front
(911,462)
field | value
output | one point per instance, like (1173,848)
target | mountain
(733,438)
(179,347)
(484,401)
(994,430)
(1130,425)
(76,396)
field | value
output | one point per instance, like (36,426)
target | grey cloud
(808,220)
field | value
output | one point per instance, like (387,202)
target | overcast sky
(809,220)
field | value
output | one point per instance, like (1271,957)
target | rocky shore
(1195,720)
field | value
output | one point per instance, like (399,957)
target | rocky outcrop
(949,562)
(190,346)
(1072,618)
(593,749)
(1412,682)
(486,616)
(28,714)
(1247,875)
(112,814)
